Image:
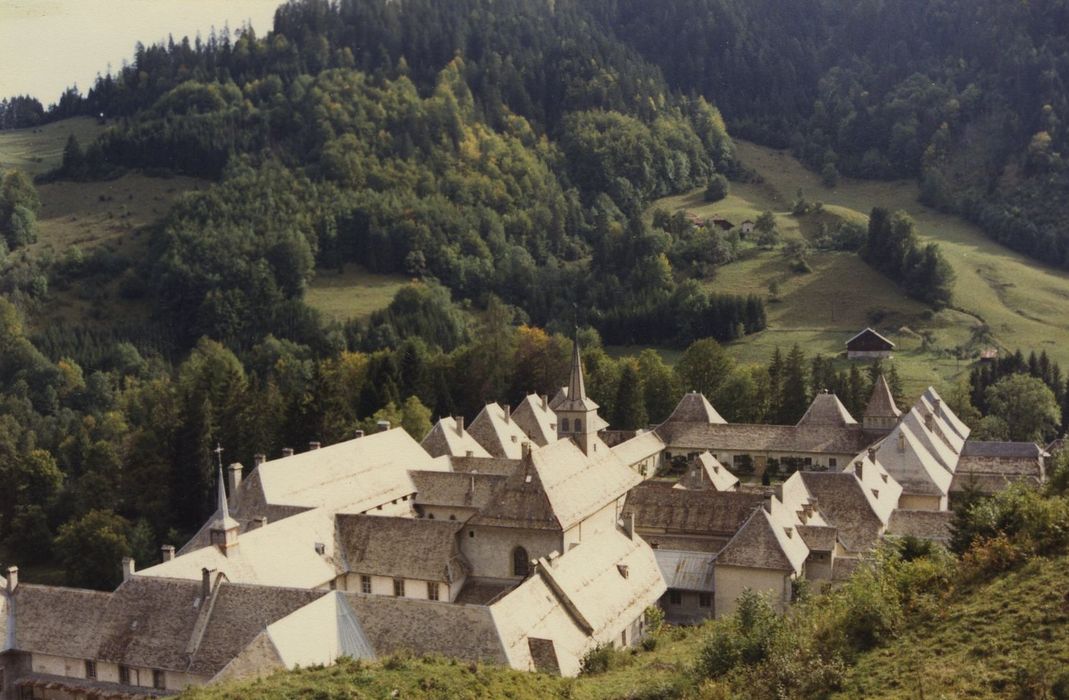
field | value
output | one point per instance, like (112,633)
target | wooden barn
(868,344)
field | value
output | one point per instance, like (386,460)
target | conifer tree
(795,387)
(630,404)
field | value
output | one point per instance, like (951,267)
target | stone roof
(819,538)
(448,437)
(411,548)
(56,621)
(842,500)
(756,439)
(988,483)
(881,403)
(485,465)
(946,414)
(456,489)
(931,525)
(149,623)
(909,462)
(761,543)
(705,472)
(658,506)
(639,448)
(686,571)
(695,408)
(925,431)
(1002,450)
(495,430)
(557,486)
(826,411)
(425,627)
(536,419)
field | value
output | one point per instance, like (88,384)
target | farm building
(868,344)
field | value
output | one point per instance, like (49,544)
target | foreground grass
(1008,638)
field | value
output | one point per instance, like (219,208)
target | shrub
(601,658)
(717,188)
(989,556)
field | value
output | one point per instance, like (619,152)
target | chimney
(128,567)
(205,585)
(872,454)
(629,526)
(469,453)
(234,478)
(167,552)
(525,449)
(383,426)
(460,425)
(901,441)
(858,464)
(553,556)
(545,402)
(287,451)
(358,433)
(258,459)
(12,579)
(508,412)
(258,522)
(929,421)
(937,403)
(313,445)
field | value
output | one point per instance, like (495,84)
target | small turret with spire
(577,414)
(881,413)
(224,529)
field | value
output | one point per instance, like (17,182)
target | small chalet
(868,344)
(746,227)
(722,224)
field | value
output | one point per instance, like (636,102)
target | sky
(48,45)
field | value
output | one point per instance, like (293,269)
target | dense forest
(500,154)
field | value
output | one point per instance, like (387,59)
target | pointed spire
(223,508)
(576,386)
(882,403)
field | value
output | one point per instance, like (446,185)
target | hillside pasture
(39,149)
(352,294)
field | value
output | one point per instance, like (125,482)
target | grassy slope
(353,294)
(38,150)
(1016,626)
(1022,301)
(980,647)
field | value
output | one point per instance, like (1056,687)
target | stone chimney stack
(12,578)
(929,421)
(858,466)
(508,412)
(167,552)
(629,526)
(469,453)
(128,568)
(358,433)
(313,445)
(287,451)
(205,584)
(258,522)
(460,425)
(545,402)
(234,474)
(872,454)
(901,441)
(258,459)
(383,425)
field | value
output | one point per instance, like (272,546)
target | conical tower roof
(576,400)
(881,403)
(826,410)
(222,519)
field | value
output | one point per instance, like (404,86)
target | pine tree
(894,382)
(795,387)
(630,406)
(775,384)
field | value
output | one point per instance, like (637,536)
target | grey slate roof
(881,404)
(57,621)
(756,545)
(658,506)
(826,411)
(694,408)
(423,627)
(149,622)
(401,547)
(455,489)
(686,571)
(842,502)
(820,538)
(756,439)
(1001,450)
(926,524)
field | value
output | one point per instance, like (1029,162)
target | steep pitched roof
(558,486)
(926,430)
(909,462)
(658,506)
(55,621)
(871,335)
(695,408)
(456,489)
(495,430)
(536,419)
(842,499)
(149,622)
(705,473)
(849,439)
(448,437)
(826,410)
(761,543)
(401,547)
(639,448)
(686,571)
(946,414)
(881,404)
(931,525)
(425,627)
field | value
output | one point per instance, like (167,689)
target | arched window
(521,564)
(564,425)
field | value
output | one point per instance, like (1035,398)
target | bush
(717,188)
(602,658)
(988,557)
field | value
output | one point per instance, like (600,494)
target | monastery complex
(524,538)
